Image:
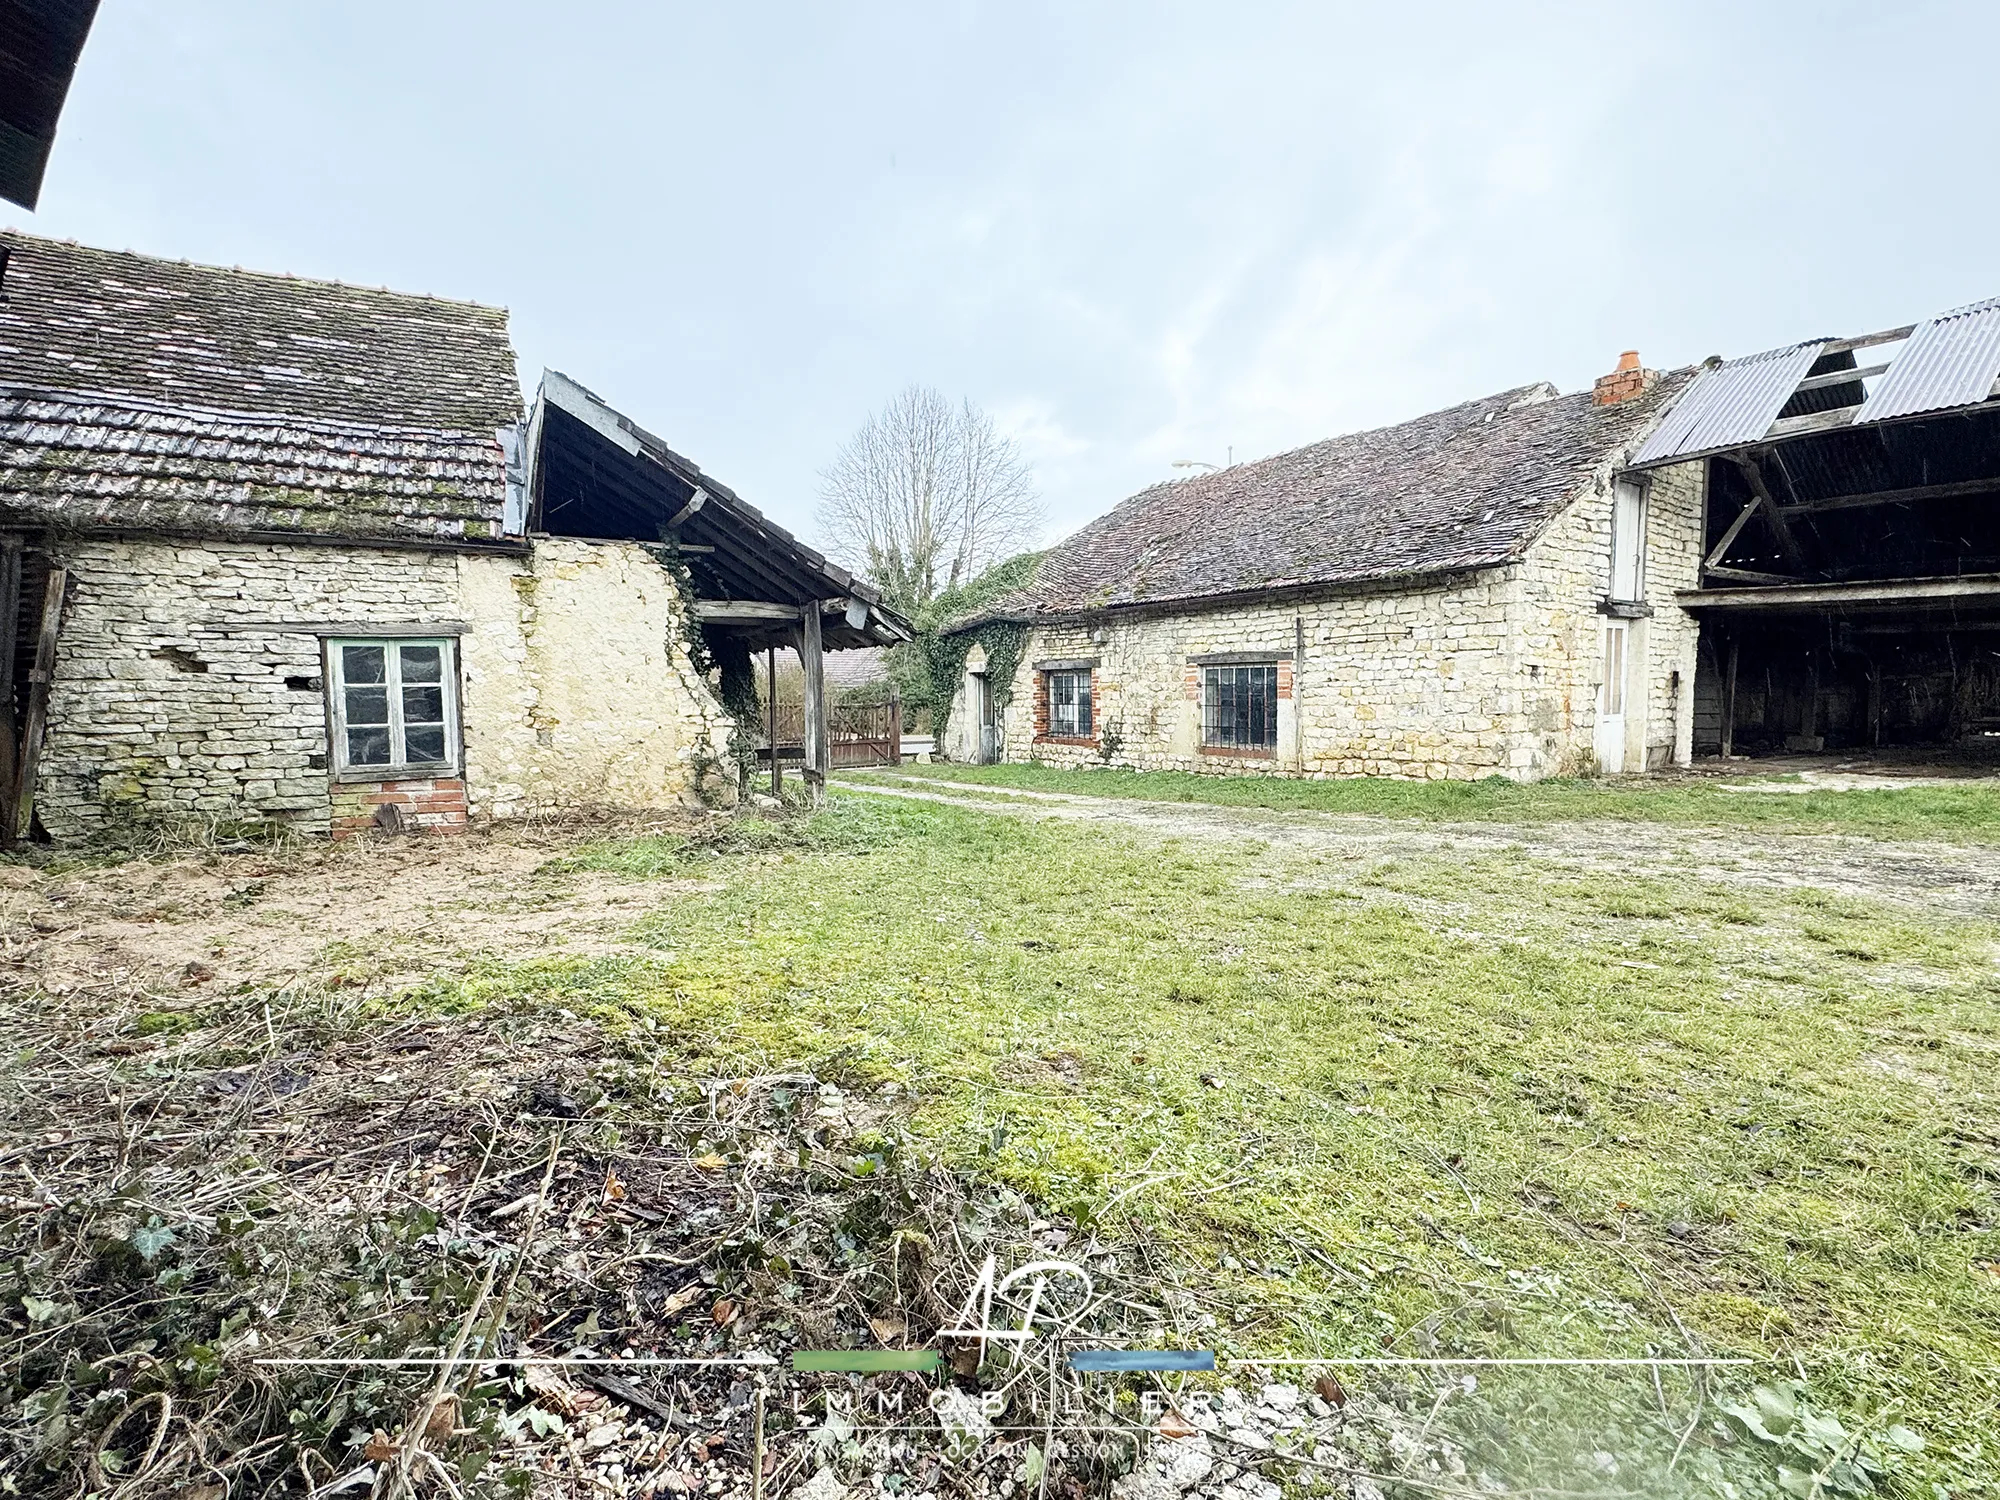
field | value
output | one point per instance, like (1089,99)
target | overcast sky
(1134,233)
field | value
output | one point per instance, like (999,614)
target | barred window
(395,707)
(1239,707)
(1069,705)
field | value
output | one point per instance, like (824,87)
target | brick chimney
(1623,383)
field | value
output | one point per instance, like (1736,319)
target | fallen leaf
(1174,1425)
(1330,1390)
(444,1420)
(614,1190)
(552,1388)
(888,1330)
(710,1162)
(378,1447)
(724,1312)
(683,1299)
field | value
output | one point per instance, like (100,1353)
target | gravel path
(1951,877)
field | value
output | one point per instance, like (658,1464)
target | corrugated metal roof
(1951,360)
(1735,402)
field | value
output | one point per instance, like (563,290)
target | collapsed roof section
(596,473)
(1947,363)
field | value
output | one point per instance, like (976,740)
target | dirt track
(1951,877)
(378,913)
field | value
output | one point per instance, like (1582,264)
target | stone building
(1484,590)
(286,551)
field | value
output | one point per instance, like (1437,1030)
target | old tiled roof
(92,463)
(138,393)
(1463,488)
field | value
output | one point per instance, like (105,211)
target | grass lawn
(1481,1106)
(1954,814)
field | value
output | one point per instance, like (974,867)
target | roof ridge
(12,232)
(1510,397)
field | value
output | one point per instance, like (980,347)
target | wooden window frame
(399,767)
(1627,498)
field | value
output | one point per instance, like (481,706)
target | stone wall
(189,681)
(1491,673)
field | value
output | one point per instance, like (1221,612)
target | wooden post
(10,740)
(895,726)
(1729,702)
(1811,727)
(771,714)
(818,760)
(38,702)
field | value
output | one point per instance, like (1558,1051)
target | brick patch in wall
(435,804)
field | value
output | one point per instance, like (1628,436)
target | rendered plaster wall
(578,689)
(1493,673)
(188,679)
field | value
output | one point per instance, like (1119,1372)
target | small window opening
(1069,705)
(1239,707)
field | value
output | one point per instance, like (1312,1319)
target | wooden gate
(865,734)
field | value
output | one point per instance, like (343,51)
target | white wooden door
(1610,738)
(989,723)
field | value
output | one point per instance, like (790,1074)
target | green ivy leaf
(151,1240)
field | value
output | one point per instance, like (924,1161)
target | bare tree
(926,495)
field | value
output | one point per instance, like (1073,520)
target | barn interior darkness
(1858,607)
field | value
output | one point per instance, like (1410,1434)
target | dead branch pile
(201,1190)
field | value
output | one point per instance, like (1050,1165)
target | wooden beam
(1721,549)
(23,810)
(819,759)
(695,502)
(1814,421)
(10,739)
(1838,377)
(1747,465)
(1833,595)
(771,718)
(1895,497)
(1749,575)
(1868,340)
(744,611)
(1729,700)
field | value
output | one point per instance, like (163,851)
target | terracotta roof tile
(1467,487)
(141,394)
(109,321)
